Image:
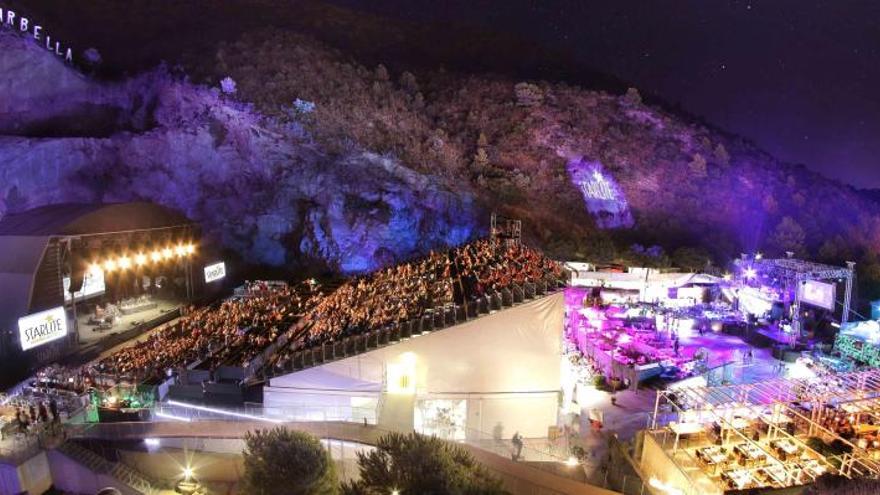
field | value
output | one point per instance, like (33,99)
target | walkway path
(523,476)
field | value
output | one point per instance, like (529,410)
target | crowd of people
(408,290)
(235,331)
(232,332)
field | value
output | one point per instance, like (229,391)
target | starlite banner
(11,20)
(215,272)
(43,327)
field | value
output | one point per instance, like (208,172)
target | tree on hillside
(414,464)
(528,95)
(632,97)
(481,160)
(722,157)
(788,236)
(287,462)
(691,259)
(698,166)
(770,204)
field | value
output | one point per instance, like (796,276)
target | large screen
(818,294)
(215,272)
(93,285)
(43,327)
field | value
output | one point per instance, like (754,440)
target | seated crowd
(407,291)
(240,328)
(232,332)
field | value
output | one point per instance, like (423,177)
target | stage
(91,332)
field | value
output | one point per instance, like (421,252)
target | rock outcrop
(260,187)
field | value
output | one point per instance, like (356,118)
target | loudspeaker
(77,271)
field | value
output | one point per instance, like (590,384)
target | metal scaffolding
(804,402)
(793,273)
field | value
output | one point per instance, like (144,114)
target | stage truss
(793,272)
(856,393)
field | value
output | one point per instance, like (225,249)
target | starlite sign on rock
(602,195)
(43,327)
(215,272)
(11,20)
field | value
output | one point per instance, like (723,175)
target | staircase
(125,474)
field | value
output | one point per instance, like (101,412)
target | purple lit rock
(271,195)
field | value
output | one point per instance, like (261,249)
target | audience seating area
(439,290)
(272,327)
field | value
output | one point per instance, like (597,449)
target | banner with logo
(215,272)
(43,327)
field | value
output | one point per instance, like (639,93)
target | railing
(175,411)
(686,463)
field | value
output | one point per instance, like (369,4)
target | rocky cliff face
(262,188)
(590,173)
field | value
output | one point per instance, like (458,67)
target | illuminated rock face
(271,195)
(603,198)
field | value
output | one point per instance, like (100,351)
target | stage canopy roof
(83,219)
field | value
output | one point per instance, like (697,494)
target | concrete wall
(507,365)
(32,476)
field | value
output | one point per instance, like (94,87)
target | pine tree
(414,464)
(722,157)
(698,166)
(287,462)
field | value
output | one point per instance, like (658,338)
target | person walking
(517,442)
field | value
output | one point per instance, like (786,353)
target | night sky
(798,77)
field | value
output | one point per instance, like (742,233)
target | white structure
(645,284)
(494,375)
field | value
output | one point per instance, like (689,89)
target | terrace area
(773,434)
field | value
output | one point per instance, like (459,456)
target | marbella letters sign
(43,327)
(11,20)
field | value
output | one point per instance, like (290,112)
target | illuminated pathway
(519,477)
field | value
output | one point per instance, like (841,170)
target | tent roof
(82,219)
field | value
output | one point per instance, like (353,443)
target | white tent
(500,371)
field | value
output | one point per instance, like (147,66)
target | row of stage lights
(126,262)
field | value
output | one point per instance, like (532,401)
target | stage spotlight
(187,473)
(125,263)
(156,256)
(140,259)
(167,253)
(751,273)
(758,256)
(109,265)
(190,249)
(180,251)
